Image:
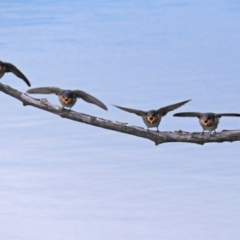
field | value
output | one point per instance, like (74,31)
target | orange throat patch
(151,119)
(207,123)
(67,100)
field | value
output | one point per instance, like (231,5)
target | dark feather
(89,98)
(45,90)
(11,68)
(218,115)
(164,110)
(135,111)
(188,114)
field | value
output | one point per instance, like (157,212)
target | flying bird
(152,118)
(8,67)
(68,98)
(208,121)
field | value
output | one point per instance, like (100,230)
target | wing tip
(31,90)
(187,101)
(104,107)
(116,106)
(28,83)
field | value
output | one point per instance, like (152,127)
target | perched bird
(8,67)
(68,98)
(208,121)
(153,118)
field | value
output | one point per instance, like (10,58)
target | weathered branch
(157,137)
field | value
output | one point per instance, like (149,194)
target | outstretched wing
(89,98)
(218,115)
(11,68)
(188,114)
(45,90)
(164,110)
(137,112)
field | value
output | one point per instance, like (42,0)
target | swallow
(152,118)
(68,98)
(8,67)
(208,121)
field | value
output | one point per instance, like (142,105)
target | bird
(209,121)
(152,118)
(68,98)
(8,67)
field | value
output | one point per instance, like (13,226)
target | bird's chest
(211,125)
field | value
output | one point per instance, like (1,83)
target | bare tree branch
(157,137)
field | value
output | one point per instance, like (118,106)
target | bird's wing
(89,98)
(164,110)
(218,115)
(137,112)
(188,114)
(11,68)
(45,90)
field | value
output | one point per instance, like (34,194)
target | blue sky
(66,180)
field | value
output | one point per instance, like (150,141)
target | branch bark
(157,137)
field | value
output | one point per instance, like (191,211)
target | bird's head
(67,97)
(152,116)
(207,119)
